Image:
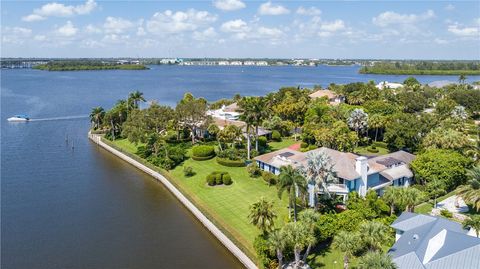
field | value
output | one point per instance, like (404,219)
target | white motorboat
(19,118)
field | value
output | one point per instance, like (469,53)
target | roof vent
(415,236)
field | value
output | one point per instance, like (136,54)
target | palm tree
(473,222)
(390,196)
(376,121)
(297,236)
(374,234)
(358,121)
(254,111)
(309,218)
(471,191)
(348,243)
(134,98)
(291,181)
(376,260)
(411,197)
(96,116)
(319,171)
(277,243)
(462,78)
(229,134)
(262,215)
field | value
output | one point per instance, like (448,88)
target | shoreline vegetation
(88,65)
(422,68)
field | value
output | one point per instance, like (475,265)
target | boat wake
(61,118)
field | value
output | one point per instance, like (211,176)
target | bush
(304,145)
(188,171)
(380,144)
(262,142)
(218,179)
(211,180)
(202,152)
(227,179)
(447,214)
(276,136)
(253,170)
(312,147)
(230,163)
(270,178)
(372,149)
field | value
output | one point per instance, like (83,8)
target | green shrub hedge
(202,152)
(219,178)
(270,178)
(304,145)
(230,163)
(276,136)
(372,149)
(380,144)
(253,170)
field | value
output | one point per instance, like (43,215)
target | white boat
(19,118)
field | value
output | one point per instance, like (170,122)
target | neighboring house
(226,112)
(428,242)
(332,97)
(441,83)
(388,85)
(354,172)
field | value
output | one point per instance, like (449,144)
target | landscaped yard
(228,205)
(286,142)
(364,151)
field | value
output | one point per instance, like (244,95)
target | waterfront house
(354,172)
(332,97)
(388,85)
(429,242)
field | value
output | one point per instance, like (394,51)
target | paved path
(450,204)
(242,257)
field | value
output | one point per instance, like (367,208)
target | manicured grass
(227,205)
(127,145)
(286,142)
(363,151)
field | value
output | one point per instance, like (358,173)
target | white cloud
(389,17)
(117,25)
(169,22)
(40,37)
(311,11)
(91,29)
(270,9)
(15,35)
(449,7)
(270,33)
(60,10)
(466,31)
(207,34)
(229,5)
(440,41)
(141,31)
(234,26)
(67,30)
(334,26)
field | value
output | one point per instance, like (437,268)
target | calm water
(82,208)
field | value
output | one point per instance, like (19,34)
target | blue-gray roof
(416,238)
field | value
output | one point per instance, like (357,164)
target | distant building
(441,83)
(388,85)
(354,172)
(428,242)
(332,97)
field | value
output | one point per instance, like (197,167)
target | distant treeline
(87,65)
(424,68)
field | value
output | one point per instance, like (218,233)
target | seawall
(239,254)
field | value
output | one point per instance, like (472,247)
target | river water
(65,203)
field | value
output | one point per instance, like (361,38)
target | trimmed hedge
(227,179)
(219,178)
(211,180)
(230,163)
(203,152)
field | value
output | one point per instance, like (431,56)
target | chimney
(361,168)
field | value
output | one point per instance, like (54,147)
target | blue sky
(241,28)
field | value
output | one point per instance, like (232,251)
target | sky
(242,28)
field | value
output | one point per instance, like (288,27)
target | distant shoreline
(421,72)
(47,67)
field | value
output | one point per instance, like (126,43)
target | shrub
(312,147)
(202,152)
(230,163)
(211,180)
(227,179)
(218,179)
(270,178)
(262,142)
(372,149)
(276,136)
(253,170)
(304,145)
(188,171)
(445,213)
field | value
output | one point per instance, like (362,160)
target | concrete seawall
(242,257)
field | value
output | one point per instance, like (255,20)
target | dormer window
(390,162)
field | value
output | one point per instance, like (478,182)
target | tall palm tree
(134,98)
(348,243)
(309,218)
(254,111)
(277,243)
(376,260)
(411,197)
(471,191)
(297,236)
(229,134)
(473,222)
(462,78)
(96,116)
(291,181)
(358,121)
(374,234)
(390,196)
(262,215)
(376,121)
(319,171)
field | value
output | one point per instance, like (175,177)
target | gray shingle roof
(417,238)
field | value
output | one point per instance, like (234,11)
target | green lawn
(286,142)
(363,151)
(426,207)
(228,206)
